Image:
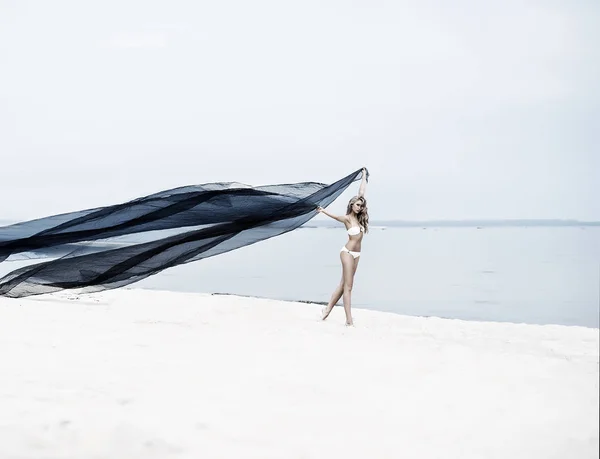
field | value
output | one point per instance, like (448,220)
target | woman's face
(357,207)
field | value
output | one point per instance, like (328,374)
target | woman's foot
(349,323)
(325,312)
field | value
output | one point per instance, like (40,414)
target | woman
(356,221)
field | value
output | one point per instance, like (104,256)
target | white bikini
(353,231)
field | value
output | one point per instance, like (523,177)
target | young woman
(356,221)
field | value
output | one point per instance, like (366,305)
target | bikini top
(354,230)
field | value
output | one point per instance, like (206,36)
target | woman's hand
(320,209)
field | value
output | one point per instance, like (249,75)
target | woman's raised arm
(363,184)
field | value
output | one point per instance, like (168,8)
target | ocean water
(540,275)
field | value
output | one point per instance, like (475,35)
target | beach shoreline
(149,373)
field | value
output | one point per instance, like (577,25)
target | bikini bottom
(354,254)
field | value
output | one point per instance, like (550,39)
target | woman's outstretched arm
(363,183)
(335,217)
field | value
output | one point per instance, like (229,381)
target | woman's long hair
(363,216)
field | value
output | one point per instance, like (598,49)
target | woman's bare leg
(355,267)
(335,297)
(348,268)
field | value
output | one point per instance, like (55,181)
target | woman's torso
(355,235)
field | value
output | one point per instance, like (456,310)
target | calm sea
(541,275)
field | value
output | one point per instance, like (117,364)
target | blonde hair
(363,216)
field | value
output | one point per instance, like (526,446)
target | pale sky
(460,109)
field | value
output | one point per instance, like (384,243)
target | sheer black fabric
(117,245)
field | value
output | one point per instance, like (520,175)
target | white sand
(140,374)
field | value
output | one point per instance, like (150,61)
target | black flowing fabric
(113,246)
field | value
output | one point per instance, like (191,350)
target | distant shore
(462,223)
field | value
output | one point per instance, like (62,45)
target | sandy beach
(134,373)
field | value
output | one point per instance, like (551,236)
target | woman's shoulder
(351,223)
